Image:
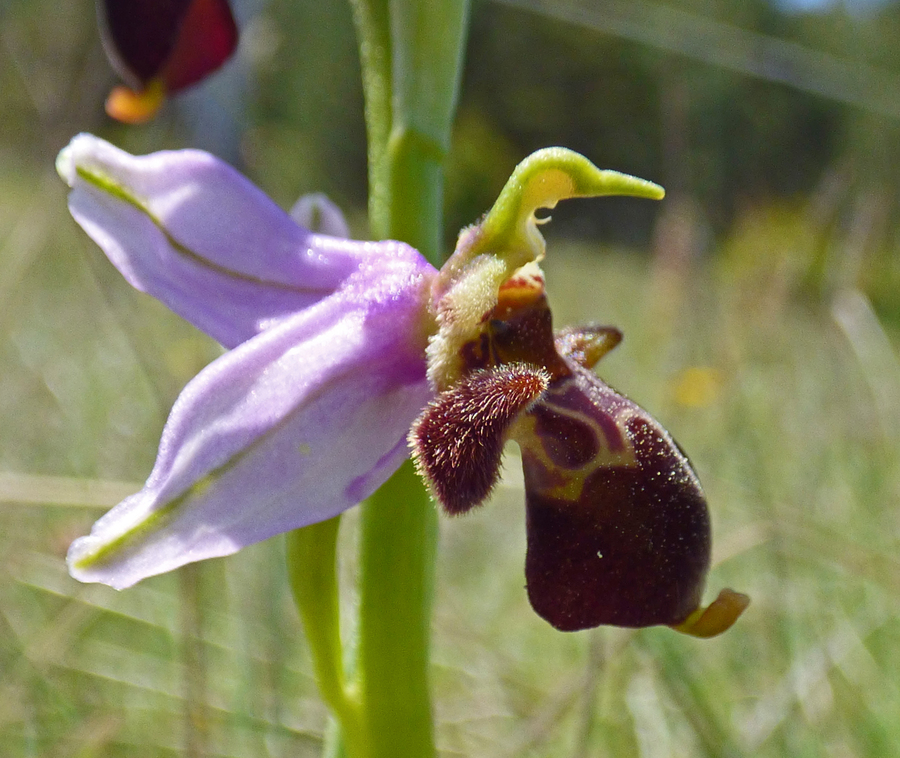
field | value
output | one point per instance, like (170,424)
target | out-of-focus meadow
(760,303)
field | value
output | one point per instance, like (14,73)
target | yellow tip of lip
(716,618)
(130,107)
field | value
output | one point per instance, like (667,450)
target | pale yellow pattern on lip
(525,434)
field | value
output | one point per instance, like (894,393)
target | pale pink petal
(188,229)
(292,427)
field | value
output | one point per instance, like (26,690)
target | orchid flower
(340,351)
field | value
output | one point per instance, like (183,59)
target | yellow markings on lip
(524,432)
(304,448)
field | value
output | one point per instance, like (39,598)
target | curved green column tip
(509,230)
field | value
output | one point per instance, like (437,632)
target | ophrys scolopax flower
(340,349)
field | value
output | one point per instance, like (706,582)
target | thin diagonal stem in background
(312,563)
(196,709)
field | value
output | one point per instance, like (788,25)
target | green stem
(416,183)
(397,557)
(372,20)
(411,51)
(196,711)
(312,566)
(423,40)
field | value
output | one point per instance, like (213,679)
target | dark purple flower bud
(161,46)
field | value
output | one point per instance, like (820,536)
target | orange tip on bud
(130,107)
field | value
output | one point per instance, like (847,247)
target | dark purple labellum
(617,524)
(622,538)
(176,41)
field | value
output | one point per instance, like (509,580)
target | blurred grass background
(760,304)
